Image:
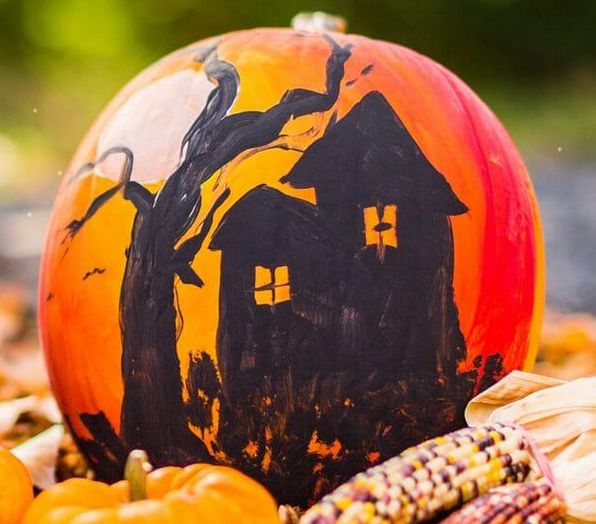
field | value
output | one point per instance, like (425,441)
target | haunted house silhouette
(275,299)
(378,193)
(334,316)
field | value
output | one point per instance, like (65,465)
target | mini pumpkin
(292,252)
(170,495)
(16,488)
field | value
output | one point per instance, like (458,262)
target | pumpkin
(170,495)
(16,488)
(293,252)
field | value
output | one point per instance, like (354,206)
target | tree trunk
(153,413)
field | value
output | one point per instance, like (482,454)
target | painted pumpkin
(293,252)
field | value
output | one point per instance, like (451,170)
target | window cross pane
(381,230)
(272,285)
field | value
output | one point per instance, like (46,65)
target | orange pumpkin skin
(16,488)
(196,493)
(289,252)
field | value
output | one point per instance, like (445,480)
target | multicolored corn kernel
(522,503)
(424,481)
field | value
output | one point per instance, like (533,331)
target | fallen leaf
(40,453)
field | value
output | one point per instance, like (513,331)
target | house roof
(269,227)
(370,155)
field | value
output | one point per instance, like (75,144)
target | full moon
(152,124)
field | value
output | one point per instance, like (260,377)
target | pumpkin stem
(135,472)
(318,22)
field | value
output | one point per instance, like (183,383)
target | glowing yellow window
(272,285)
(380,226)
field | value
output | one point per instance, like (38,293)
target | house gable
(268,228)
(370,156)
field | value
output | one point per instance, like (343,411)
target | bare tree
(153,414)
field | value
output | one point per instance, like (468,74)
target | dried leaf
(40,454)
(22,369)
(23,418)
(11,410)
(289,514)
(71,462)
(567,346)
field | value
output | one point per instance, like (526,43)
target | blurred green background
(532,61)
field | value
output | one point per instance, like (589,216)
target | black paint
(105,451)
(369,159)
(94,271)
(366,336)
(153,414)
(364,349)
(204,389)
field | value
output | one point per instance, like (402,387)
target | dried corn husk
(561,417)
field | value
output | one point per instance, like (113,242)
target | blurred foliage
(533,61)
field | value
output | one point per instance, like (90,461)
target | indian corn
(426,480)
(529,503)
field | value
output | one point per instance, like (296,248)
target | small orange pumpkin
(16,488)
(170,495)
